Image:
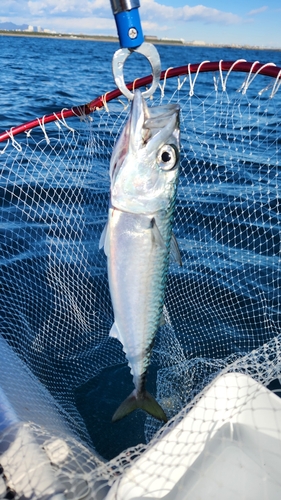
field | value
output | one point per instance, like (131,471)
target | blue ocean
(227,223)
(39,76)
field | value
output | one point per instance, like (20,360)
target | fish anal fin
(104,241)
(157,235)
(143,401)
(175,255)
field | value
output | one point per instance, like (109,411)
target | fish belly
(137,269)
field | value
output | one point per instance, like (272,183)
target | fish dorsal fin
(104,241)
(157,235)
(175,255)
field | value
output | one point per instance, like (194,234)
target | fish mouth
(139,107)
(146,122)
(150,119)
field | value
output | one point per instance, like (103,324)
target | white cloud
(187,13)
(76,16)
(68,7)
(150,10)
(257,11)
(13,7)
(150,27)
(206,14)
(79,25)
(90,16)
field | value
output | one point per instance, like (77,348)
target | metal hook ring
(150,52)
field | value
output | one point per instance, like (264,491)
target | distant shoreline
(108,38)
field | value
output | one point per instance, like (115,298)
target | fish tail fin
(144,401)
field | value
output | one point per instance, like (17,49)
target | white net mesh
(62,377)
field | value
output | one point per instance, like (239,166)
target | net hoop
(220,348)
(252,68)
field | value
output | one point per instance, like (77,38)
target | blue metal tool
(131,39)
(127,18)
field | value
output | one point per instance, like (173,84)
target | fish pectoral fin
(104,239)
(162,321)
(157,235)
(175,255)
(144,402)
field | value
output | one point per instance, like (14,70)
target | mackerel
(138,238)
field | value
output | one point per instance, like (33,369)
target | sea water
(42,75)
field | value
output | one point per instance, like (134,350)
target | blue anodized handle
(128,23)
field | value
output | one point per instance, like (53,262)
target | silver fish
(138,239)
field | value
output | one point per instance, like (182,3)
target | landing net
(61,376)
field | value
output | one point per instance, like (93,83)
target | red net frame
(269,69)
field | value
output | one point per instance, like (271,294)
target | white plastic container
(228,447)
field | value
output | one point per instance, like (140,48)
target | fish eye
(167,157)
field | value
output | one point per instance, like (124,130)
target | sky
(244,22)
